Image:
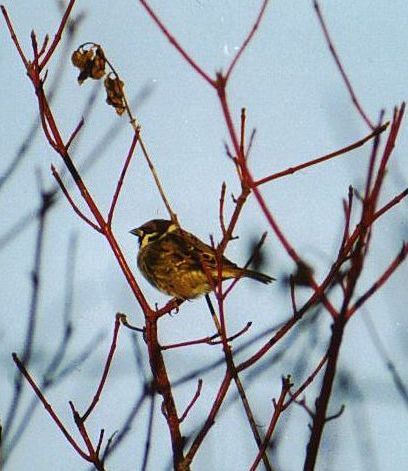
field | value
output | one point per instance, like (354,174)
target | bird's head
(153,230)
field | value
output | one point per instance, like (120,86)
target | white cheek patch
(147,238)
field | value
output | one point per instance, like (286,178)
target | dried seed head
(115,96)
(91,63)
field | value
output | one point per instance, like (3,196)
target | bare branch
(309,163)
(71,201)
(48,407)
(247,40)
(193,400)
(108,363)
(175,43)
(340,66)
(122,176)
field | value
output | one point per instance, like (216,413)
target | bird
(179,264)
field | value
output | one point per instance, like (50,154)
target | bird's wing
(200,252)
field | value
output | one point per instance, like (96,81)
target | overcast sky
(297,102)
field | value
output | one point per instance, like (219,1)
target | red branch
(93,452)
(210,420)
(71,201)
(306,383)
(247,40)
(106,369)
(353,247)
(211,340)
(401,256)
(175,43)
(48,407)
(58,34)
(122,175)
(340,66)
(319,160)
(193,400)
(278,409)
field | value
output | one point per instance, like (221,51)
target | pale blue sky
(298,103)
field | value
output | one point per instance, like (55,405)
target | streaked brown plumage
(172,260)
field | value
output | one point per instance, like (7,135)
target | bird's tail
(256,275)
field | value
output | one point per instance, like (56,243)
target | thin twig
(247,40)
(278,409)
(129,326)
(14,37)
(36,279)
(347,207)
(93,456)
(221,210)
(48,407)
(309,163)
(74,133)
(108,363)
(152,168)
(340,66)
(211,340)
(397,199)
(385,357)
(71,201)
(58,34)
(306,383)
(210,420)
(400,257)
(175,43)
(293,295)
(193,400)
(147,447)
(122,176)
(231,367)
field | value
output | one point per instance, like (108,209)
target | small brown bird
(172,260)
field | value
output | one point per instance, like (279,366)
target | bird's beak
(137,232)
